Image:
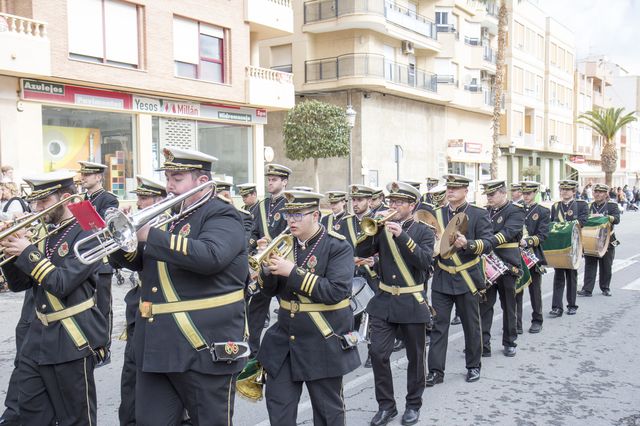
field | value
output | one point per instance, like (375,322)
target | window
(518,122)
(539,88)
(281,58)
(560,61)
(540,49)
(538,129)
(517,79)
(104,31)
(553,89)
(552,53)
(457,168)
(198,50)
(519,37)
(569,63)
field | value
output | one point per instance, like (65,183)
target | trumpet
(280,246)
(120,230)
(371,227)
(35,225)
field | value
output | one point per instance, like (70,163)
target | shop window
(198,50)
(104,31)
(72,135)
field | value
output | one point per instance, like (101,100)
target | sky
(601,27)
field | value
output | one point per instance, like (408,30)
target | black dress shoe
(456,320)
(555,313)
(367,363)
(584,293)
(509,351)
(606,292)
(473,375)
(433,378)
(410,416)
(572,310)
(383,417)
(535,327)
(398,345)
(486,354)
(519,330)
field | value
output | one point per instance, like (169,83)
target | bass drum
(361,294)
(563,246)
(596,235)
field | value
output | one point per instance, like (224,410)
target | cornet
(280,246)
(120,230)
(371,227)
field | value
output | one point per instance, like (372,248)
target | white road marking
(618,265)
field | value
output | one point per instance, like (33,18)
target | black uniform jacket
(60,274)
(343,224)
(414,247)
(381,208)
(425,206)
(508,223)
(608,208)
(251,209)
(479,241)
(537,222)
(202,255)
(323,274)
(573,210)
(268,219)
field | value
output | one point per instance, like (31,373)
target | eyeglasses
(397,202)
(295,217)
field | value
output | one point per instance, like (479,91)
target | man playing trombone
(64,343)
(189,331)
(312,343)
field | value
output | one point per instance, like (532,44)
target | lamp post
(351,119)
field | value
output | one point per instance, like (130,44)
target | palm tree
(607,123)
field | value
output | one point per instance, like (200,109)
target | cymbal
(429,219)
(458,223)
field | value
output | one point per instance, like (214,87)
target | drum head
(361,294)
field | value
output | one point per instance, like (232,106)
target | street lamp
(351,120)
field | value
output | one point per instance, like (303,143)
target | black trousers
(61,394)
(535,293)
(469,312)
(560,277)
(591,265)
(283,396)
(127,409)
(162,397)
(257,313)
(104,301)
(383,335)
(505,287)
(12,411)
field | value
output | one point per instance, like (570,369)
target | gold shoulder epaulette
(243,211)
(517,205)
(225,199)
(336,235)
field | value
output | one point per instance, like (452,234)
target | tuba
(371,226)
(120,230)
(279,246)
(34,224)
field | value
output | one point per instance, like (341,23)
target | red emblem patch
(63,250)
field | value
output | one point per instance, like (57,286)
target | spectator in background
(11,204)
(622,199)
(7,173)
(636,196)
(588,190)
(548,192)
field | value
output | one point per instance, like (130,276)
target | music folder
(87,216)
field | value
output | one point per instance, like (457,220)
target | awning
(585,170)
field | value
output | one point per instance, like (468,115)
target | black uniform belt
(397,291)
(457,269)
(149,309)
(295,306)
(47,319)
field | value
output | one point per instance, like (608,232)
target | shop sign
(181,108)
(141,104)
(98,101)
(42,87)
(455,143)
(472,148)
(234,116)
(578,159)
(74,95)
(234,113)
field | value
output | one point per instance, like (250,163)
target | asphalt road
(579,370)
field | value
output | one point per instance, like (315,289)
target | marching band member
(405,248)
(92,175)
(376,202)
(568,208)
(507,220)
(223,191)
(68,337)
(420,205)
(601,206)
(334,220)
(428,196)
(189,330)
(360,196)
(537,224)
(249,195)
(268,224)
(516,193)
(311,343)
(458,280)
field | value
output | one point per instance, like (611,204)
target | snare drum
(361,294)
(529,257)
(493,267)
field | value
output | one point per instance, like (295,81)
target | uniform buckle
(295,306)
(395,290)
(42,317)
(146,309)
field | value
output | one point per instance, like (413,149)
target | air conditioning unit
(484,32)
(407,48)
(553,138)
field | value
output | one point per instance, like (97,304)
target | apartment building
(116,81)
(537,127)
(416,72)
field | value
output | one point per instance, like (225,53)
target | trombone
(34,224)
(120,230)
(371,227)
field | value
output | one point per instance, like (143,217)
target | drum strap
(318,319)
(263,218)
(456,259)
(404,270)
(352,231)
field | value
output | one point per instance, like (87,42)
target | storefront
(471,159)
(127,132)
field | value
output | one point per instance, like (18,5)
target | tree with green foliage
(607,123)
(315,129)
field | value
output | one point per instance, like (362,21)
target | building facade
(116,81)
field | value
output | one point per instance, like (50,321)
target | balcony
(370,70)
(383,16)
(24,46)
(269,18)
(269,88)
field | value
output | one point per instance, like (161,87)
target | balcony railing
(369,65)
(492,9)
(447,79)
(473,88)
(490,98)
(20,25)
(320,10)
(472,41)
(269,74)
(283,68)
